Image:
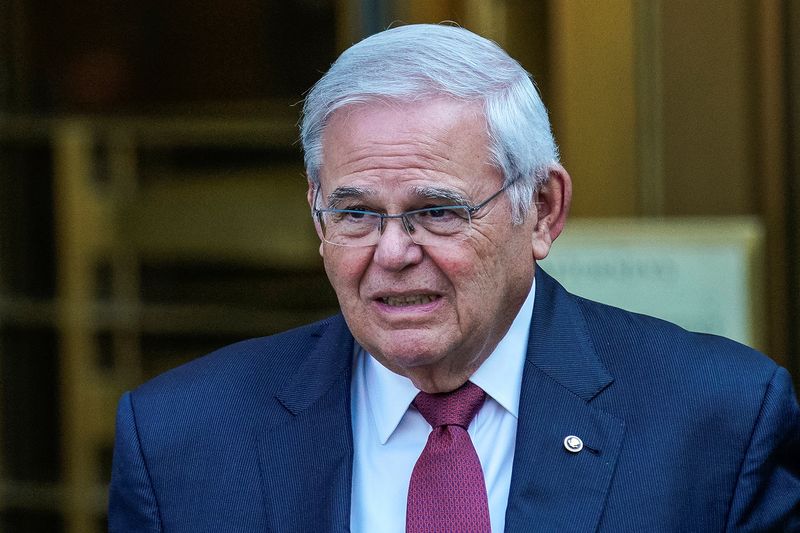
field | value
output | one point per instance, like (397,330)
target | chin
(407,351)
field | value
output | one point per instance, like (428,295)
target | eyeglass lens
(424,226)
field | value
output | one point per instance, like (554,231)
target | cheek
(470,272)
(344,268)
(491,266)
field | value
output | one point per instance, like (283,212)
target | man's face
(431,313)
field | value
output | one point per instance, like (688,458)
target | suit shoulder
(660,342)
(655,363)
(260,363)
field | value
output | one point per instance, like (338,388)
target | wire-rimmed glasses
(429,226)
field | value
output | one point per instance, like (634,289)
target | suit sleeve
(132,503)
(767,495)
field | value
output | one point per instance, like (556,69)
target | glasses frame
(407,225)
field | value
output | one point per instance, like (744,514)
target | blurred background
(152,196)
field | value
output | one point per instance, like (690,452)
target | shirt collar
(388,394)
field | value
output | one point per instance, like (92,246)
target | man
(435,186)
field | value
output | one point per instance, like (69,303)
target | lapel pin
(573,444)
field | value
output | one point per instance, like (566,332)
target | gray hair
(424,61)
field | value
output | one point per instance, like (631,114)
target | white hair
(426,61)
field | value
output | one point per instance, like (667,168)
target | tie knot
(454,408)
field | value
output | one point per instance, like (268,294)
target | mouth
(409,300)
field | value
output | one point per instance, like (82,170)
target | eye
(353,214)
(438,212)
(442,213)
(356,214)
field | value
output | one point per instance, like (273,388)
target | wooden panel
(708,108)
(81,219)
(258,218)
(771,160)
(793,184)
(527,34)
(419,11)
(594,102)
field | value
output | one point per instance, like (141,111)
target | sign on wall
(703,274)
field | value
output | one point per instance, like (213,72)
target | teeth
(400,301)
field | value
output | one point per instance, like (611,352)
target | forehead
(404,145)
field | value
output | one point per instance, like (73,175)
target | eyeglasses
(430,226)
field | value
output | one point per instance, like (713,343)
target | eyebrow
(440,193)
(428,192)
(341,194)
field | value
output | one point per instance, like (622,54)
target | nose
(395,249)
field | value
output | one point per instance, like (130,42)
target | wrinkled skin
(431,313)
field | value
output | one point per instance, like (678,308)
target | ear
(552,206)
(312,190)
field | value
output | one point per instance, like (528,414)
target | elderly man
(461,389)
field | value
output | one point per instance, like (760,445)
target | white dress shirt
(389,434)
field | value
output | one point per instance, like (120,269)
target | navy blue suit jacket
(683,432)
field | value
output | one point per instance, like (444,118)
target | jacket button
(573,444)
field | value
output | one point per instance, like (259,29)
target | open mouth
(405,301)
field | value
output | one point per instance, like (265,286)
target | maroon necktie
(447,493)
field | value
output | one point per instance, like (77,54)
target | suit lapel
(553,489)
(308,489)
(306,462)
